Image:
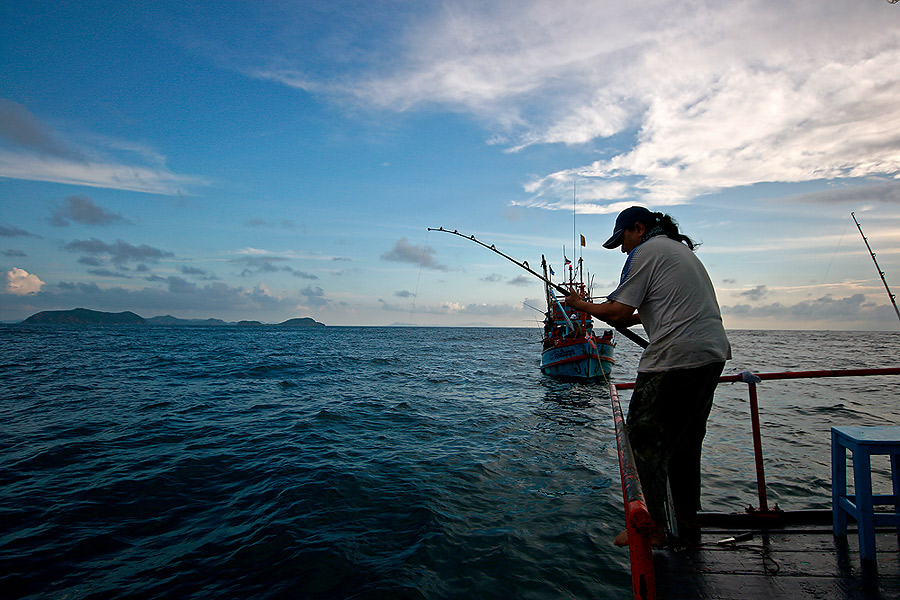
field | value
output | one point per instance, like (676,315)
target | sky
(279,159)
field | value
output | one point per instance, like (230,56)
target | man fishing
(665,287)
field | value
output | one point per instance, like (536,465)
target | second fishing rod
(524,265)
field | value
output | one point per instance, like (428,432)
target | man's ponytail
(670,228)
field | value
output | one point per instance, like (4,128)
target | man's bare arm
(612,312)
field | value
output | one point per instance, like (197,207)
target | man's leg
(684,464)
(666,424)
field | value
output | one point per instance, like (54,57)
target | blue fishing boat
(572,350)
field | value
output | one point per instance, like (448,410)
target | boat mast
(575,245)
(880,272)
(547,291)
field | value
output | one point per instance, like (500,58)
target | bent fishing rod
(524,265)
(880,272)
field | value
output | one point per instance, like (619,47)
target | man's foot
(657,537)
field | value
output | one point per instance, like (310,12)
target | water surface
(152,462)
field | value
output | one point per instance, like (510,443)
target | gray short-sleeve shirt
(677,304)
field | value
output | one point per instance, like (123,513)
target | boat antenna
(524,264)
(574,219)
(880,272)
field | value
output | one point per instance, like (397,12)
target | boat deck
(797,562)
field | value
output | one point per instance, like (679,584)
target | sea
(366,462)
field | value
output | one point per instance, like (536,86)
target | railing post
(757,449)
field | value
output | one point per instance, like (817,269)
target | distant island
(84,316)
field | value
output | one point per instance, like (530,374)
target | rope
(770,565)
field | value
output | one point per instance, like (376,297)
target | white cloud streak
(35,152)
(135,178)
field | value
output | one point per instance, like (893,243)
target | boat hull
(579,359)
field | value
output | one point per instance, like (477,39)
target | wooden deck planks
(794,564)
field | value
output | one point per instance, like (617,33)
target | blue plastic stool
(863,442)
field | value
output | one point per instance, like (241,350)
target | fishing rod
(880,272)
(524,265)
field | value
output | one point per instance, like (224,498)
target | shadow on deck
(797,562)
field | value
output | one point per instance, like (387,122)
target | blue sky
(272,160)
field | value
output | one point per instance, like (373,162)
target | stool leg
(862,477)
(838,486)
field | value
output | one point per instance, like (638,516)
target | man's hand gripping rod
(524,264)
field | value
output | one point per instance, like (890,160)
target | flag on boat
(583,242)
(551,271)
(567,263)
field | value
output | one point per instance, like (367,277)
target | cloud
(314,297)
(14,253)
(21,128)
(257,264)
(259,222)
(101,173)
(198,273)
(455,308)
(404,294)
(677,100)
(108,273)
(177,285)
(845,311)
(403,251)
(120,253)
(34,152)
(304,274)
(12,231)
(82,209)
(347,272)
(521,280)
(20,282)
(884,192)
(757,293)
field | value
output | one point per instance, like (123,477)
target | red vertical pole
(637,517)
(757,450)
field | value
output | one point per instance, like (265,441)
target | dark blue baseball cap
(627,219)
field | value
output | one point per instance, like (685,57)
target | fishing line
(827,271)
(532,307)
(419,277)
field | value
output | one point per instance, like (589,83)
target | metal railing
(637,518)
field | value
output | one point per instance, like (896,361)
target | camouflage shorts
(666,425)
